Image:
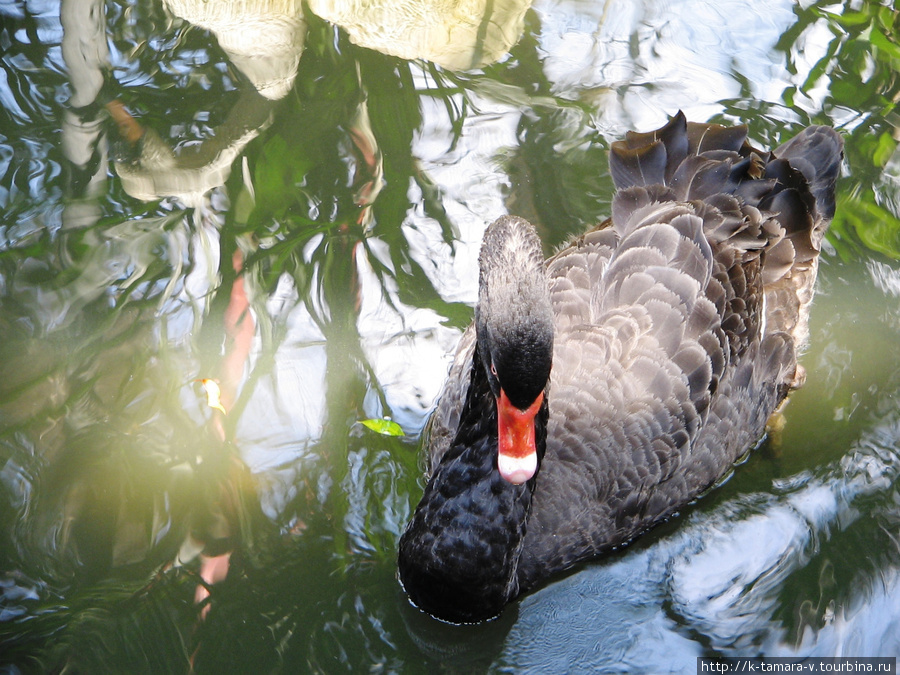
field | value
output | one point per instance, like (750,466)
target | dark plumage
(673,330)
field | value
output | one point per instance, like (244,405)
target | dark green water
(300,222)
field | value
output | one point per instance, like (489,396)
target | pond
(238,247)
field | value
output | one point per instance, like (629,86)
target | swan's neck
(459,554)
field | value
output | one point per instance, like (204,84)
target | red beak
(517,458)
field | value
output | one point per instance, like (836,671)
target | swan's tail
(775,206)
(806,167)
(816,152)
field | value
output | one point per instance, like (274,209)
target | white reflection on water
(729,590)
(409,348)
(885,277)
(685,55)
(472,185)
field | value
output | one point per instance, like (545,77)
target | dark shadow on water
(452,648)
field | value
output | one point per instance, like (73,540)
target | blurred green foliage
(94,424)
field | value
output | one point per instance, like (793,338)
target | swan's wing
(691,336)
(665,277)
(676,372)
(751,202)
(636,397)
(442,425)
(572,275)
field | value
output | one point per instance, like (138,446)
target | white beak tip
(517,470)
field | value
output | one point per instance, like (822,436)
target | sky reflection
(301,222)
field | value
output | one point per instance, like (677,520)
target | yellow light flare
(213,394)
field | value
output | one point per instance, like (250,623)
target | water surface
(287,200)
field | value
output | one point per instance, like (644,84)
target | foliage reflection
(291,219)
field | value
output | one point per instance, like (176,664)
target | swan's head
(514,327)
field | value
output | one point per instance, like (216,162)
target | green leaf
(884,150)
(383,427)
(881,41)
(872,224)
(851,18)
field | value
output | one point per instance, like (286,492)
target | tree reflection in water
(300,225)
(118,469)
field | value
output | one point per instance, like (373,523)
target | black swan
(672,333)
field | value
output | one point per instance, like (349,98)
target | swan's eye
(493,369)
